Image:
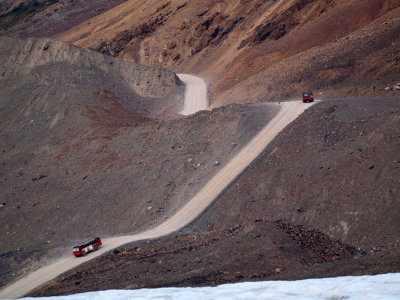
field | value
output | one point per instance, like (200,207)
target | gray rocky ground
(321,201)
(93,146)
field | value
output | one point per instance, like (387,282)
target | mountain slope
(320,201)
(364,62)
(256,50)
(98,150)
(249,51)
(85,138)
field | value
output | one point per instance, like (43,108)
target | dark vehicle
(86,247)
(308,97)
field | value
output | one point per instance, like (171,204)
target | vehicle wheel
(95,248)
(84,253)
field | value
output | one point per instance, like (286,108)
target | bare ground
(320,201)
(87,154)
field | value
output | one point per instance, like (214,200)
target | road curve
(195,94)
(288,112)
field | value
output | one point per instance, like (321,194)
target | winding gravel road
(288,112)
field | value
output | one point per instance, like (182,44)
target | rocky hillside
(250,51)
(89,146)
(320,201)
(257,50)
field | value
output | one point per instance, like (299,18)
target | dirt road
(289,111)
(195,94)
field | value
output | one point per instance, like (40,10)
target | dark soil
(320,201)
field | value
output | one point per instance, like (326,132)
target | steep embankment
(65,113)
(81,150)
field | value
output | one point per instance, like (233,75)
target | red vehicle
(86,247)
(308,97)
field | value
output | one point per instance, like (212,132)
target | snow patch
(385,286)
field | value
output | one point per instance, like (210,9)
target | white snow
(386,286)
(195,94)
